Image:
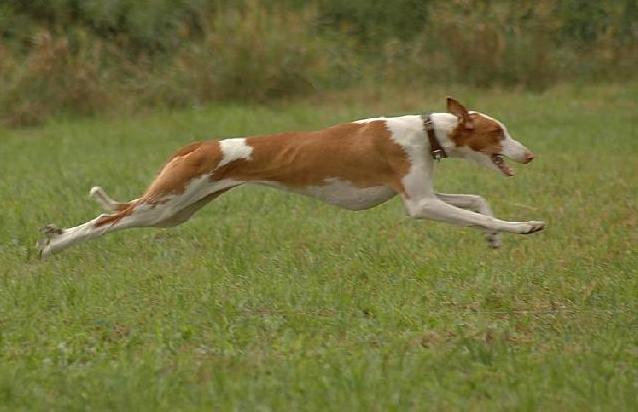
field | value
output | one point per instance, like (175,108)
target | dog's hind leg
(134,215)
(183,185)
(476,204)
(186,213)
(169,212)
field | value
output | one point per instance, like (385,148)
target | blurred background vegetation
(89,56)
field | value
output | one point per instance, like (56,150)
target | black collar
(436,150)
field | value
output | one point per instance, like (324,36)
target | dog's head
(485,140)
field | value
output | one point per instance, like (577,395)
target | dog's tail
(109,205)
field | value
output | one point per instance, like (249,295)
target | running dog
(355,165)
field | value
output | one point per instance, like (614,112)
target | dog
(355,165)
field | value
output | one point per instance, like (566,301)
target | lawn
(268,301)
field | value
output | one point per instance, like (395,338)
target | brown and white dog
(354,165)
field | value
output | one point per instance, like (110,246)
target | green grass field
(268,301)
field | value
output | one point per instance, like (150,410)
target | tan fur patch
(485,137)
(188,163)
(362,154)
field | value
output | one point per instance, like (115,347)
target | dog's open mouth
(499,161)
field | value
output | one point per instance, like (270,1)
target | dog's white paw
(50,232)
(532,227)
(493,240)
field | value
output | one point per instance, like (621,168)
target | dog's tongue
(503,167)
(507,171)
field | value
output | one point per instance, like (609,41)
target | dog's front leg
(477,204)
(435,209)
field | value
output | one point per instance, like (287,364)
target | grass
(267,301)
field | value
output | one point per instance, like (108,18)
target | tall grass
(84,57)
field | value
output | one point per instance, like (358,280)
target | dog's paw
(493,240)
(50,232)
(532,227)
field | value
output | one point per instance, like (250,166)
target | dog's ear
(458,110)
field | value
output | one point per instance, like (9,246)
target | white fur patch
(365,121)
(196,189)
(408,132)
(234,149)
(341,193)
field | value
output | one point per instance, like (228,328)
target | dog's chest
(342,193)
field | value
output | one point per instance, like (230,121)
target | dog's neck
(444,124)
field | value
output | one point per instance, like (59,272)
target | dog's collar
(436,150)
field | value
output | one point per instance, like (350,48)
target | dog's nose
(529,156)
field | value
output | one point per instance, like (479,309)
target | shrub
(88,56)
(243,56)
